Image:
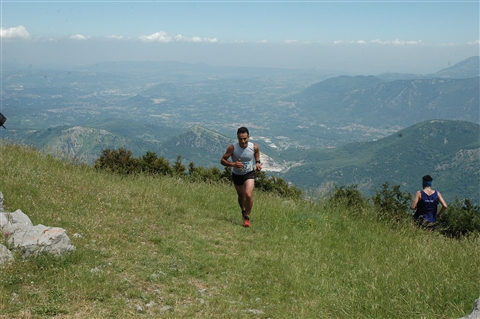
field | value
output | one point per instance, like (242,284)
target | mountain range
(468,68)
(369,101)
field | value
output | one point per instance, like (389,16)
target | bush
(118,161)
(349,196)
(460,219)
(392,204)
(276,185)
(201,174)
(151,164)
(178,168)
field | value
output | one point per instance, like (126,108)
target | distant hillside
(447,150)
(85,144)
(468,68)
(330,88)
(198,145)
(370,101)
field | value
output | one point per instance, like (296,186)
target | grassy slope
(178,248)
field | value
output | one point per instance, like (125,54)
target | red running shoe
(246,223)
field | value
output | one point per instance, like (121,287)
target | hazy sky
(358,37)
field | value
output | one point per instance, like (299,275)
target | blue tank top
(246,156)
(427,207)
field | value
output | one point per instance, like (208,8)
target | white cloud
(79,37)
(162,36)
(396,42)
(157,37)
(403,42)
(199,39)
(342,42)
(476,42)
(291,41)
(263,41)
(179,38)
(19,32)
(210,40)
(115,37)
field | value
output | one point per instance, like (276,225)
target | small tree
(392,204)
(348,196)
(276,185)
(202,174)
(151,164)
(178,167)
(460,219)
(119,161)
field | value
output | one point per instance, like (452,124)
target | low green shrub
(202,174)
(274,184)
(178,167)
(392,204)
(120,161)
(460,219)
(349,196)
(153,165)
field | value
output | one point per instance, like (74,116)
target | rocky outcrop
(19,234)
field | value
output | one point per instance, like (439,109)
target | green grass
(177,249)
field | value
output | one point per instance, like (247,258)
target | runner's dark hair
(427,178)
(243,129)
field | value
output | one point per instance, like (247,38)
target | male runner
(243,154)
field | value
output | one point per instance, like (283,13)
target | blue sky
(359,37)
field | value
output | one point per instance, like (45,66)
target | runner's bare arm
(443,203)
(256,152)
(415,201)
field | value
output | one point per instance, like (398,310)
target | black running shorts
(240,179)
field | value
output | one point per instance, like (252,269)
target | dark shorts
(240,179)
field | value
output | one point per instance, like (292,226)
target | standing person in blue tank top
(243,155)
(425,203)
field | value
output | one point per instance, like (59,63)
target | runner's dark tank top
(427,207)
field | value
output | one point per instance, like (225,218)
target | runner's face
(243,139)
